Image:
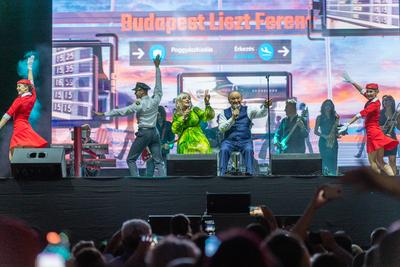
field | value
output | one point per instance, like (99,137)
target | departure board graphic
(72,83)
(362,14)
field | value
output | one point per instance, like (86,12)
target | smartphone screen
(255,211)
(49,260)
(211,245)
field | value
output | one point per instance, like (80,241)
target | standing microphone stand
(269,127)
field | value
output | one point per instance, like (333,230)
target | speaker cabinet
(192,165)
(38,163)
(296,164)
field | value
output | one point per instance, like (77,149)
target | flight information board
(73,86)
(362,15)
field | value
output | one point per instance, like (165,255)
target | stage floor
(94,208)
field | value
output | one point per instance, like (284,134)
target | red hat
(25,81)
(373,86)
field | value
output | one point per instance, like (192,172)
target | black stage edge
(94,208)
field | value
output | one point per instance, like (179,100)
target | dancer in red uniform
(20,110)
(377,141)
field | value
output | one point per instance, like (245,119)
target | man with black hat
(146,109)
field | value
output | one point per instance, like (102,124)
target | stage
(94,208)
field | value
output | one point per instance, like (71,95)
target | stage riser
(95,208)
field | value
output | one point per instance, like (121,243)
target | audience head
(19,244)
(283,243)
(356,249)
(344,241)
(261,231)
(377,235)
(89,257)
(169,249)
(132,232)
(240,248)
(326,260)
(372,257)
(389,249)
(180,226)
(81,245)
(358,261)
(182,262)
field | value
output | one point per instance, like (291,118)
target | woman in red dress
(20,110)
(377,141)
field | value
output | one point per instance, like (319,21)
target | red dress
(23,134)
(375,137)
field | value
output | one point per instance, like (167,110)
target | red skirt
(25,136)
(376,139)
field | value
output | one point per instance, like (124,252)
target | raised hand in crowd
(137,259)
(366,179)
(269,217)
(329,243)
(322,195)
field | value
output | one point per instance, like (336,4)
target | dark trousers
(146,137)
(245,148)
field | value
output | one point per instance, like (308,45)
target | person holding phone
(377,141)
(23,135)
(235,123)
(186,124)
(146,109)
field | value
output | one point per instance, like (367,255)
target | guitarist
(292,132)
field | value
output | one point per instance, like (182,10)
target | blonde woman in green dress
(186,124)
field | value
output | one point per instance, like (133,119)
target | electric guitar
(282,146)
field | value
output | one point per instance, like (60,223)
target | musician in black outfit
(167,138)
(389,121)
(89,170)
(292,128)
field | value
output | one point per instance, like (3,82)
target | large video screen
(102,48)
(362,17)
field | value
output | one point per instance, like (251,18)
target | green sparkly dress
(191,138)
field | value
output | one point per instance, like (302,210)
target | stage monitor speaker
(160,224)
(228,203)
(296,164)
(38,163)
(192,165)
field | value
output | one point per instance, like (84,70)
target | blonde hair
(179,104)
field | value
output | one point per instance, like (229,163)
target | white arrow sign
(139,53)
(284,51)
